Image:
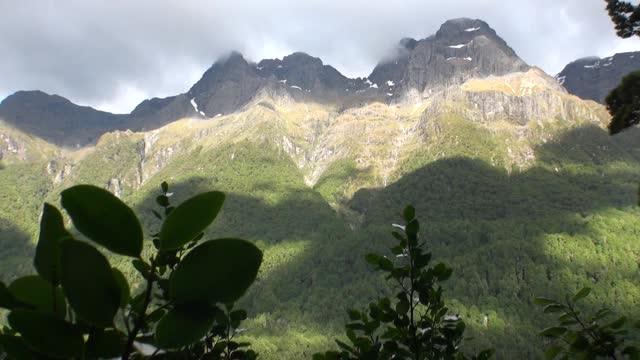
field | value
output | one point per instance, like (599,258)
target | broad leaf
(47,334)
(107,344)
(543,301)
(89,283)
(40,294)
(184,325)
(553,331)
(189,219)
(125,292)
(581,294)
(412,227)
(553,308)
(52,232)
(216,271)
(409,213)
(7,300)
(104,218)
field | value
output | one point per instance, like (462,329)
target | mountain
(516,182)
(58,120)
(460,50)
(593,78)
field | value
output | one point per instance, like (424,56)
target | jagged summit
(593,77)
(225,86)
(303,71)
(461,49)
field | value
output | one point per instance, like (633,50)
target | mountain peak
(461,25)
(594,77)
(56,119)
(408,43)
(461,49)
(301,58)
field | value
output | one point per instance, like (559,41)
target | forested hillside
(563,220)
(517,184)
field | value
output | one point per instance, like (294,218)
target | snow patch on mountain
(195,107)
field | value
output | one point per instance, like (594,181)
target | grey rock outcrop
(460,50)
(592,78)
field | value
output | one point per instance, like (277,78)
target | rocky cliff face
(593,78)
(512,113)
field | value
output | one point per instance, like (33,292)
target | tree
(581,336)
(623,103)
(625,16)
(78,306)
(416,324)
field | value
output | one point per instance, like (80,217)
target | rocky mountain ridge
(460,50)
(593,78)
(519,108)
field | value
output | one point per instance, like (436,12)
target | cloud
(111,54)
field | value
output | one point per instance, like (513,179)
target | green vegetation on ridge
(564,220)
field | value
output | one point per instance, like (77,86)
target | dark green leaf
(184,325)
(372,259)
(398,237)
(602,313)
(552,352)
(39,293)
(409,213)
(104,218)
(616,324)
(7,300)
(88,283)
(216,271)
(125,293)
(581,294)
(189,219)
(402,307)
(52,232)
(543,301)
(580,343)
(552,308)
(107,344)
(238,315)
(412,227)
(47,334)
(162,200)
(353,314)
(143,268)
(553,331)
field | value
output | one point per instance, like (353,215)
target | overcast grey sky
(112,54)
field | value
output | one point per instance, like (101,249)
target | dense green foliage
(68,310)
(625,16)
(623,103)
(416,323)
(510,234)
(581,336)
